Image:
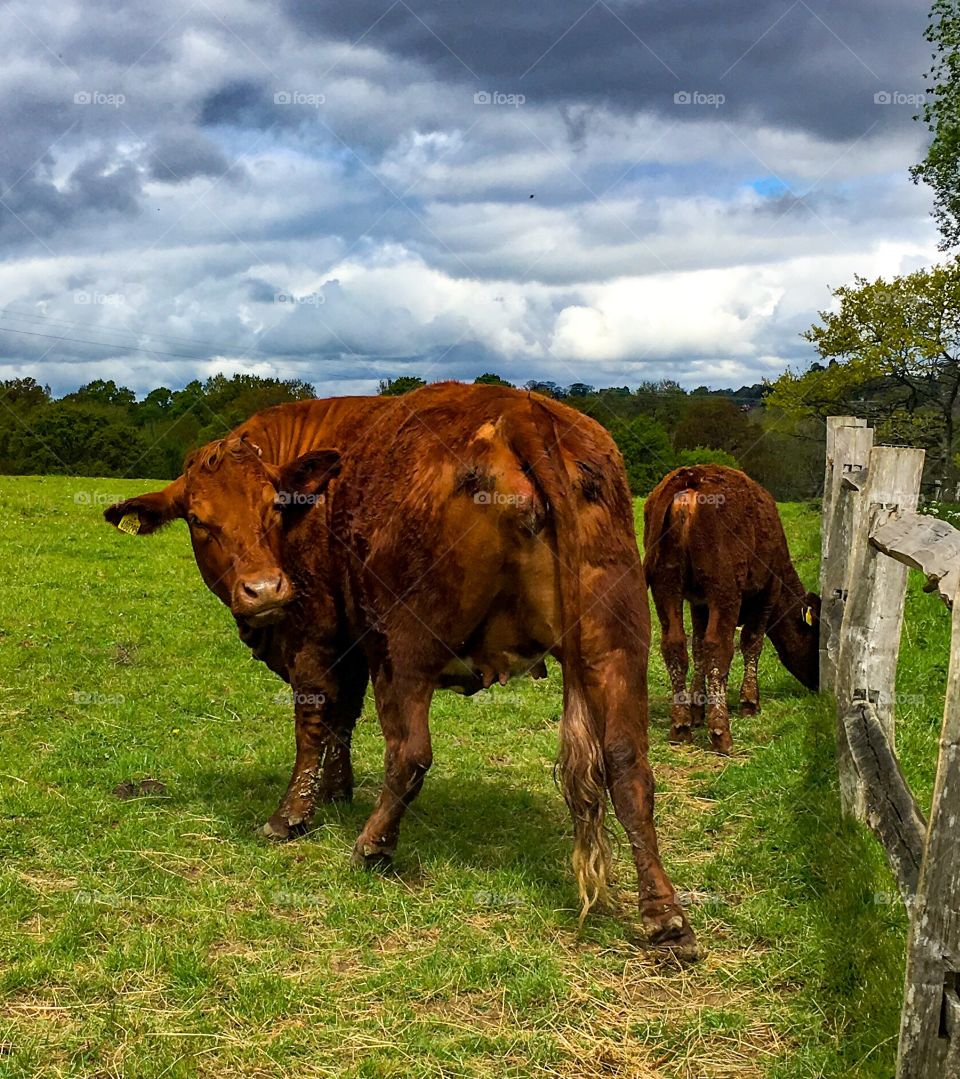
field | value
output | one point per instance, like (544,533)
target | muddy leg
(311,710)
(698,689)
(337,777)
(404,707)
(751,645)
(717,653)
(673,646)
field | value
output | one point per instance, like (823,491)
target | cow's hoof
(667,930)
(721,742)
(369,858)
(749,708)
(680,735)
(280,830)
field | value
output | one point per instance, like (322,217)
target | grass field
(160,936)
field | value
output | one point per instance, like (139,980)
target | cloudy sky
(604,191)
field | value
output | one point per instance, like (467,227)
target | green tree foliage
(704,455)
(714,422)
(101,429)
(394,387)
(894,355)
(490,379)
(941,112)
(647,453)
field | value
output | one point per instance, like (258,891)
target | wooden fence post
(873,612)
(848,450)
(834,424)
(930,1024)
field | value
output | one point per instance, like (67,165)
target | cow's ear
(304,480)
(146,513)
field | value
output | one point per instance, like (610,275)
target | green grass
(160,936)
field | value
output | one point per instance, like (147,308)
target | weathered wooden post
(930,1024)
(834,424)
(848,450)
(873,613)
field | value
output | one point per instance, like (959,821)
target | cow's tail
(656,512)
(581,763)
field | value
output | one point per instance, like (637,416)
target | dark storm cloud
(813,66)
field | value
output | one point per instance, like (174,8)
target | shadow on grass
(480,822)
(828,896)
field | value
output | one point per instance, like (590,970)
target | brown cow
(713,537)
(449,538)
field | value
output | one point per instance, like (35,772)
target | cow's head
(795,634)
(235,503)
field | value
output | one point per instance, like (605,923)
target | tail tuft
(583,778)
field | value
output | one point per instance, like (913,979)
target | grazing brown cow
(449,538)
(713,537)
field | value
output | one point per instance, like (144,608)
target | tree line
(102,429)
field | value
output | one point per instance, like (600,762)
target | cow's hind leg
(698,689)
(673,647)
(718,644)
(616,691)
(404,708)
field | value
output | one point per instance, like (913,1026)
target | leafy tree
(941,113)
(647,453)
(23,394)
(490,379)
(100,392)
(703,455)
(715,422)
(900,343)
(395,387)
(579,389)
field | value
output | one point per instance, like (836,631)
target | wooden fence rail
(871,534)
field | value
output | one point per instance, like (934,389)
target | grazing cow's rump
(449,538)
(713,537)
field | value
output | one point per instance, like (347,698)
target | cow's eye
(197,525)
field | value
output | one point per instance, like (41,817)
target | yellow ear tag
(130,523)
(808,615)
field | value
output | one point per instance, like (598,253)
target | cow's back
(714,529)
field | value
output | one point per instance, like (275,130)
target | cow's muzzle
(259,600)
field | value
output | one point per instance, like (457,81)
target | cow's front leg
(751,645)
(292,816)
(325,713)
(404,708)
